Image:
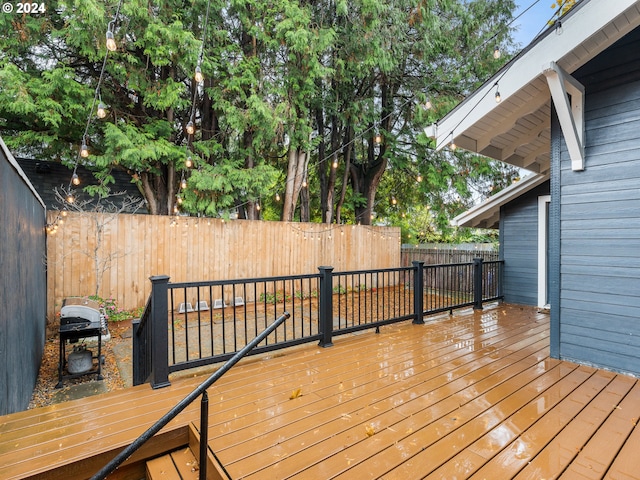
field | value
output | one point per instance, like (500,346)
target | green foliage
(113,313)
(273,71)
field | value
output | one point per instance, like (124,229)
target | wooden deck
(474,395)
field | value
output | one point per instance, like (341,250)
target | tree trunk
(347,169)
(296,174)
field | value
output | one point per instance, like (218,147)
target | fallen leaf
(370,430)
(295,394)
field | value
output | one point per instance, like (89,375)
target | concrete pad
(81,390)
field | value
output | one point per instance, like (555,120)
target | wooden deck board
(473,395)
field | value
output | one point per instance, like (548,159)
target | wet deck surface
(474,395)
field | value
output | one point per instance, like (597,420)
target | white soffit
(487,213)
(517,130)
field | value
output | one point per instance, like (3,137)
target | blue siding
(519,247)
(599,312)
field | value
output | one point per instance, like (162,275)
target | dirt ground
(46,393)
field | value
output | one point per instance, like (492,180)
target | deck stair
(183,463)
(178,465)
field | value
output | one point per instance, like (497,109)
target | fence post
(477,283)
(138,354)
(418,292)
(159,331)
(325,322)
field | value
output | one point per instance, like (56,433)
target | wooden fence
(445,254)
(116,254)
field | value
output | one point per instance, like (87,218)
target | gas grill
(80,318)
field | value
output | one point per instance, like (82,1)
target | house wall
(519,247)
(23,289)
(599,218)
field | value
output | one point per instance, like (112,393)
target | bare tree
(101,211)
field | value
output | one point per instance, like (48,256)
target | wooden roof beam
(568,99)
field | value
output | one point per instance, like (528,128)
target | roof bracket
(568,99)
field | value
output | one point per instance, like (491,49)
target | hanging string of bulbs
(497,54)
(101,111)
(190,126)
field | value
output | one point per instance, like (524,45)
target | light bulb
(188,162)
(277,197)
(498,97)
(75,179)
(64,213)
(179,199)
(393,201)
(190,128)
(175,209)
(335,163)
(111,41)
(258,207)
(496,53)
(304,184)
(419,179)
(427,104)
(377,139)
(102,110)
(70,198)
(84,150)
(183,184)
(453,146)
(198,75)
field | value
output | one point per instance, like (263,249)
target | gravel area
(45,392)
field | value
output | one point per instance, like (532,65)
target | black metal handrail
(179,407)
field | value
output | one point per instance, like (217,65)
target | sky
(533,20)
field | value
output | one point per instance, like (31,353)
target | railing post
(325,322)
(159,331)
(418,292)
(204,435)
(477,283)
(138,354)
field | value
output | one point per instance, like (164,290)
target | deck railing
(191,324)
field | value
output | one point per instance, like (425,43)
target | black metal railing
(192,324)
(184,403)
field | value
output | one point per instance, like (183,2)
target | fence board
(145,245)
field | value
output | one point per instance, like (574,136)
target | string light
(111,41)
(188,162)
(190,128)
(452,145)
(70,198)
(277,197)
(75,179)
(377,139)
(427,104)
(496,53)
(394,201)
(258,206)
(179,199)
(335,161)
(419,179)
(304,183)
(198,74)
(102,110)
(183,184)
(84,150)
(498,97)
